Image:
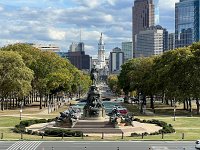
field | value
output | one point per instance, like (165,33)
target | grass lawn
(187,125)
(190,126)
(9,121)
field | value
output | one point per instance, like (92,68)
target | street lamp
(20,111)
(174,110)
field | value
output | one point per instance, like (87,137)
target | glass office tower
(142,18)
(186,22)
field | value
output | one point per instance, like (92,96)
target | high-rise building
(187,22)
(171,41)
(80,47)
(80,60)
(142,17)
(151,41)
(63,54)
(101,53)
(76,47)
(116,49)
(77,56)
(116,60)
(46,47)
(127,49)
(157,12)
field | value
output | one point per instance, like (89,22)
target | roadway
(97,145)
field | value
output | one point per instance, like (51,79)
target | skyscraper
(76,47)
(142,17)
(157,12)
(127,49)
(101,53)
(116,60)
(187,22)
(77,56)
(171,41)
(151,41)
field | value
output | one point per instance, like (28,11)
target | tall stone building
(142,17)
(101,53)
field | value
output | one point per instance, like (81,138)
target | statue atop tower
(101,53)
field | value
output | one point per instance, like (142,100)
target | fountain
(94,118)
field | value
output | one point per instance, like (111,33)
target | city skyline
(59,22)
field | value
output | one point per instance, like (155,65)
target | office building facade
(171,41)
(116,60)
(80,60)
(150,42)
(128,50)
(186,22)
(76,47)
(142,17)
(46,47)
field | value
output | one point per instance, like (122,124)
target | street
(96,145)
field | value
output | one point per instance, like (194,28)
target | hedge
(57,132)
(21,128)
(166,128)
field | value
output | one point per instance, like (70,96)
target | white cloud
(55,34)
(108,18)
(92,4)
(111,2)
(89,3)
(59,22)
(1,9)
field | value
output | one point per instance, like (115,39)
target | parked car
(106,99)
(122,111)
(134,100)
(197,144)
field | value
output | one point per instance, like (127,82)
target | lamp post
(20,111)
(174,109)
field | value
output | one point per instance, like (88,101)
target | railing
(102,136)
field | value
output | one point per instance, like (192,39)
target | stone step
(93,125)
(98,130)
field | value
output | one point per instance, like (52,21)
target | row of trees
(27,73)
(174,76)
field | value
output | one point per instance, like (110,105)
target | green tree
(15,77)
(114,84)
(194,66)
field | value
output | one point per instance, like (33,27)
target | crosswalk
(171,148)
(25,145)
(159,148)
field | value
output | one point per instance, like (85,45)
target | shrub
(166,128)
(137,119)
(135,134)
(62,132)
(20,128)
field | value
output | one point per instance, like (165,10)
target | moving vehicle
(197,144)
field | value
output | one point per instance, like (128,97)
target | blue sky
(59,21)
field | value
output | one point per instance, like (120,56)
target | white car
(197,144)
